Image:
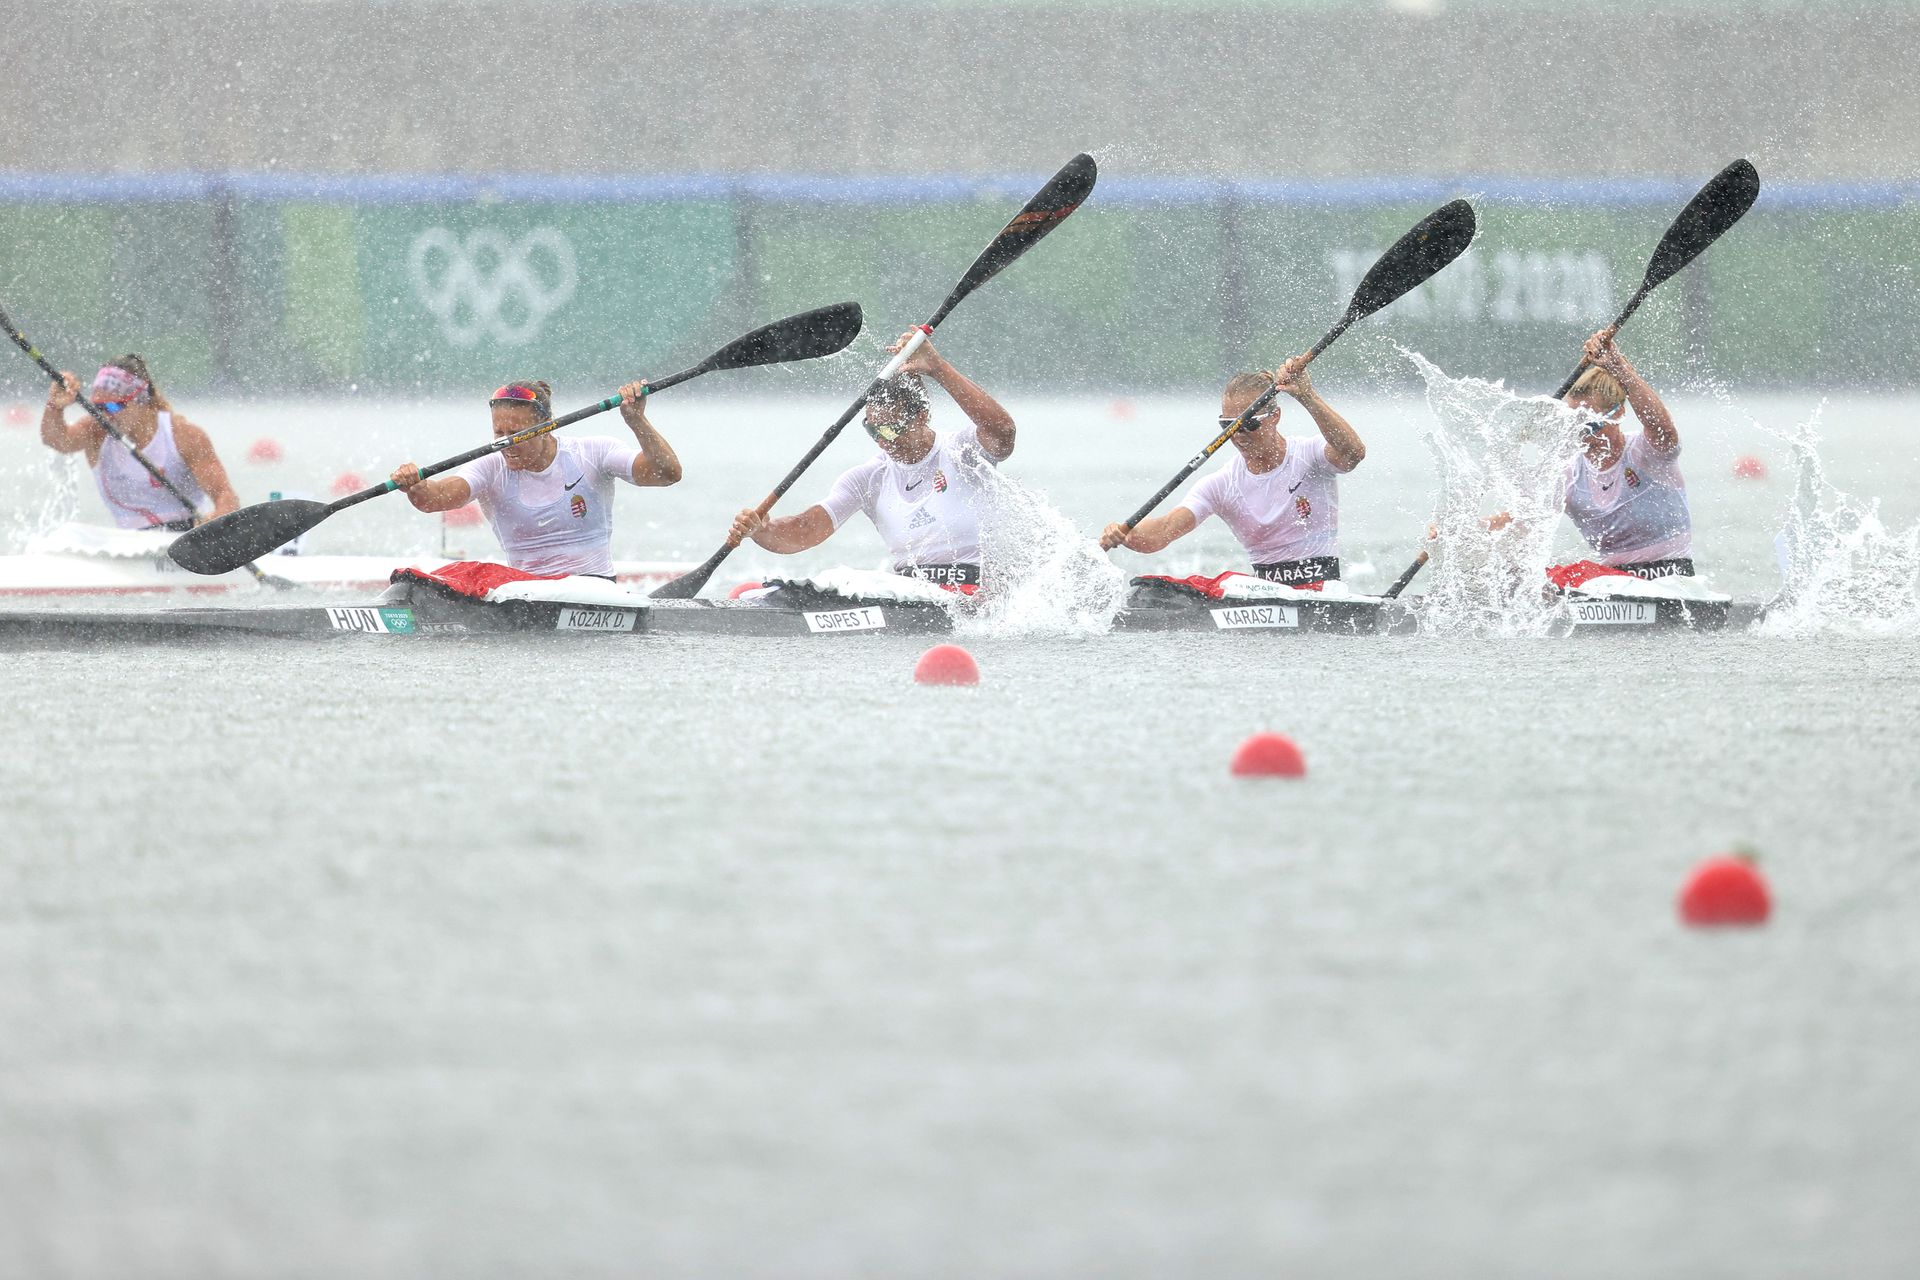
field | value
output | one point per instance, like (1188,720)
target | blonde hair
(1601,389)
(1246,384)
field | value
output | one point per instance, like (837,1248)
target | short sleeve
(1660,466)
(851,493)
(1204,498)
(966,440)
(610,457)
(1313,452)
(482,475)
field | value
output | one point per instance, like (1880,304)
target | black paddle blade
(807,336)
(239,537)
(1063,194)
(1717,206)
(688,584)
(1415,258)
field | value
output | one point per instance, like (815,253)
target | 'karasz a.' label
(581,618)
(1616,613)
(867,618)
(371,619)
(1251,616)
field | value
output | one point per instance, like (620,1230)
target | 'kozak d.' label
(1256,616)
(863,619)
(580,618)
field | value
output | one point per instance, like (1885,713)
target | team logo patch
(1301,505)
(1633,479)
(939,481)
(578,506)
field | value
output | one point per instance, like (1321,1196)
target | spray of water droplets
(1842,569)
(1495,451)
(1043,575)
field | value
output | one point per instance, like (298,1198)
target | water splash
(1043,575)
(1841,568)
(59,488)
(1495,451)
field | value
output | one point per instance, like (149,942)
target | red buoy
(743,588)
(345,483)
(18,415)
(264,450)
(1749,467)
(1269,755)
(1727,890)
(946,664)
(462,517)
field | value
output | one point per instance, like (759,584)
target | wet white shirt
(927,512)
(559,520)
(1290,513)
(1635,510)
(134,498)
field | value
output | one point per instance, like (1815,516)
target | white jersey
(134,498)
(559,520)
(1289,513)
(1635,510)
(927,512)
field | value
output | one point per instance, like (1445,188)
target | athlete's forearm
(56,435)
(989,417)
(788,534)
(1649,408)
(658,465)
(1344,446)
(1156,533)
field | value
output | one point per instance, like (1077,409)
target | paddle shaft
(698,575)
(1723,201)
(1406,576)
(1246,415)
(94,411)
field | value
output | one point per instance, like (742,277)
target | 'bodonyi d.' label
(1618,613)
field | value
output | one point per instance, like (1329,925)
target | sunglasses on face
(1254,423)
(109,407)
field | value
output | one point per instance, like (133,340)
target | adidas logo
(921,519)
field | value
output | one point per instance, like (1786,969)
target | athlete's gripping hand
(745,525)
(633,400)
(1601,352)
(1114,535)
(64,392)
(924,359)
(1292,378)
(406,475)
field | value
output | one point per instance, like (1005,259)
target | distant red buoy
(1749,467)
(1121,409)
(462,517)
(946,664)
(743,588)
(264,450)
(1726,890)
(1269,755)
(18,415)
(345,483)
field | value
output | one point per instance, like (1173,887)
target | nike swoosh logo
(916,484)
(1295,485)
(569,488)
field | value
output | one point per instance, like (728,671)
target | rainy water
(696,956)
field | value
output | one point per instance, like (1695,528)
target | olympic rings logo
(488,286)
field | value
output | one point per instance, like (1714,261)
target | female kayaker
(1280,496)
(924,491)
(180,451)
(1625,492)
(550,499)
